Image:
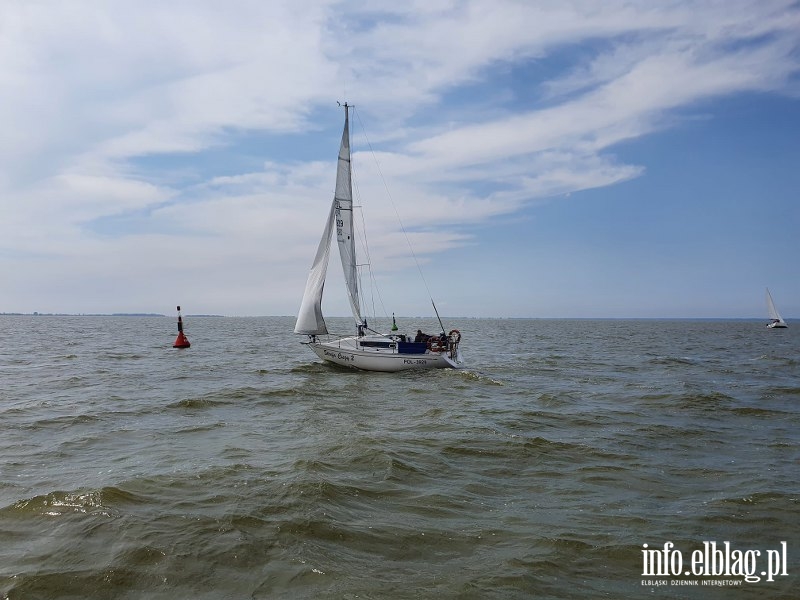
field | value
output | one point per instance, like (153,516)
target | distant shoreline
(159,315)
(38,314)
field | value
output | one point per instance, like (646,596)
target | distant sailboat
(368,350)
(777,321)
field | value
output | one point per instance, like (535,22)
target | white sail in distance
(772,311)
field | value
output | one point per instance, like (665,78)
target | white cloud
(90,89)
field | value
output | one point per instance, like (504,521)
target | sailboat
(777,321)
(367,349)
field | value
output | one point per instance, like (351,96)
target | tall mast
(343,201)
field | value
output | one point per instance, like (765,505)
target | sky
(512,158)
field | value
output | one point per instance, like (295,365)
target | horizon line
(212,315)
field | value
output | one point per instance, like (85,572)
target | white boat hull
(345,352)
(777,325)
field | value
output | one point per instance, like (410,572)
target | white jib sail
(310,320)
(343,201)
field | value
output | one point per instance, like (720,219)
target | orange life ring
(457,335)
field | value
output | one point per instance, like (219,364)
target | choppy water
(244,468)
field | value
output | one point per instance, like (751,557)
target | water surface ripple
(244,468)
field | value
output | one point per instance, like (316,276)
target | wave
(103,502)
(754,411)
(712,400)
(293,392)
(115,356)
(196,403)
(764,498)
(477,376)
(64,421)
(752,513)
(780,391)
(200,428)
(672,361)
(502,446)
(246,393)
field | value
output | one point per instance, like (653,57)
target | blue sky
(547,159)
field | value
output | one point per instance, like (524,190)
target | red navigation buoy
(180,341)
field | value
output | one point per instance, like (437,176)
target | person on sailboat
(421,337)
(437,343)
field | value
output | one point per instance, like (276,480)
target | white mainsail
(343,201)
(310,320)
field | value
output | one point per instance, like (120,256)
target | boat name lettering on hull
(339,355)
(418,361)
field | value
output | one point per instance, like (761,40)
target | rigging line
(391,201)
(374,289)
